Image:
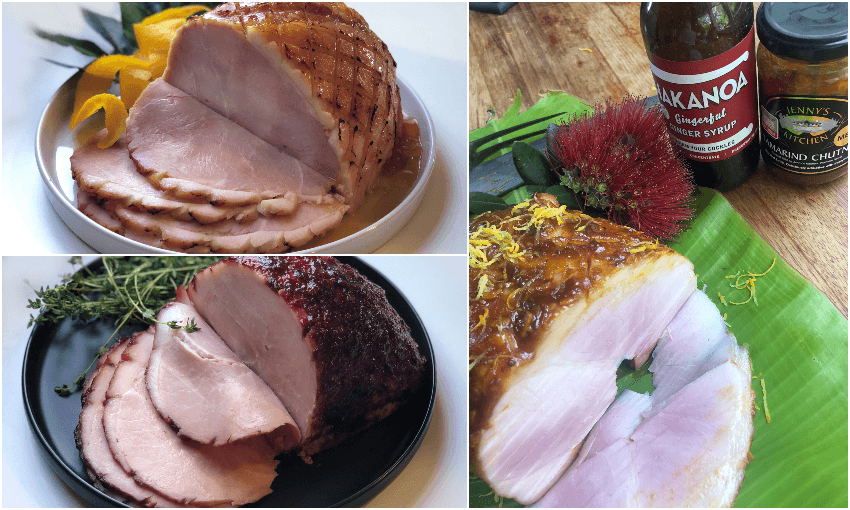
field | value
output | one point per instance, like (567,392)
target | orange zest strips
(116,117)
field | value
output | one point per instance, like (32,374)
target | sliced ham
(147,448)
(91,440)
(323,338)
(205,392)
(312,79)
(687,444)
(262,235)
(585,295)
(192,151)
(111,174)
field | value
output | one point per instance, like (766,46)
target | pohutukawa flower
(621,160)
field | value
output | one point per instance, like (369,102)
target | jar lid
(808,31)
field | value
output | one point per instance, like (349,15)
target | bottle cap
(813,32)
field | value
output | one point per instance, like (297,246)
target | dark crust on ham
(366,361)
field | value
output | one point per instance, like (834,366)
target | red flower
(621,160)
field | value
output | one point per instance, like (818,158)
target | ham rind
(111,174)
(91,440)
(205,392)
(192,151)
(323,338)
(312,79)
(149,450)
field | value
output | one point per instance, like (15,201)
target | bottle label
(805,135)
(710,105)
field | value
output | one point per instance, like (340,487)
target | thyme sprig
(131,289)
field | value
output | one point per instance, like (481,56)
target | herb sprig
(131,289)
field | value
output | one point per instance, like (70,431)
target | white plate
(54,145)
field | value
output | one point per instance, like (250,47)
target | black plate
(349,474)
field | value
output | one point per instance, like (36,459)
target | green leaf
(83,46)
(552,103)
(531,164)
(479,203)
(109,29)
(132,13)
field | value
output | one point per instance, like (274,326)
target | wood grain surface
(595,51)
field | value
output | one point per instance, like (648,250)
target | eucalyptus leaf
(83,46)
(479,203)
(109,29)
(531,164)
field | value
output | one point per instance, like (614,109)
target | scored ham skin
(324,338)
(312,80)
(192,151)
(205,392)
(149,450)
(91,440)
(585,295)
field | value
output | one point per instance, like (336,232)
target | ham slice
(687,444)
(262,235)
(111,174)
(312,80)
(147,448)
(205,392)
(91,440)
(192,151)
(585,295)
(323,338)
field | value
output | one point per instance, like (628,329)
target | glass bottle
(702,56)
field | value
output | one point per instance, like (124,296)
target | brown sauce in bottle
(703,58)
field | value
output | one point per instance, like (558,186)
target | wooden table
(595,51)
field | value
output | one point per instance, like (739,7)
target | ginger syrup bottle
(702,56)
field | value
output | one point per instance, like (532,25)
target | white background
(428,40)
(436,477)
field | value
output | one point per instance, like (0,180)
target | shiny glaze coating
(549,258)
(366,361)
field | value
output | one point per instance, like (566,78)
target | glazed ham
(312,80)
(205,392)
(287,355)
(323,338)
(191,150)
(558,300)
(263,110)
(148,449)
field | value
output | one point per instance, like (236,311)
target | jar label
(710,105)
(804,135)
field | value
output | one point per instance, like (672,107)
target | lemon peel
(116,117)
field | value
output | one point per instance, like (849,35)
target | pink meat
(193,151)
(111,174)
(91,440)
(311,79)
(323,337)
(148,448)
(205,392)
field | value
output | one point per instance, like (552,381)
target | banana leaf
(798,345)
